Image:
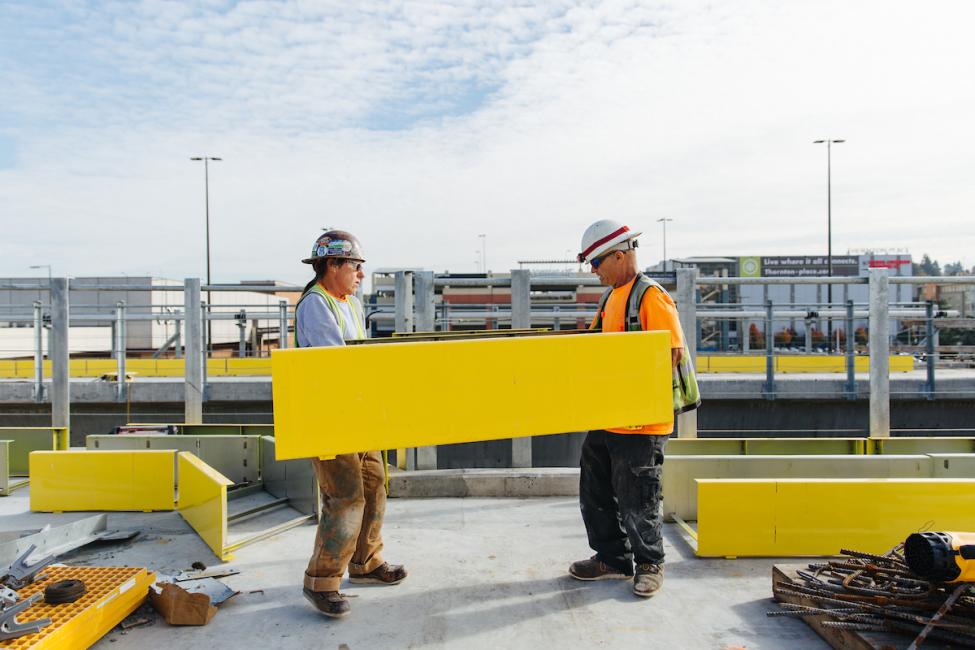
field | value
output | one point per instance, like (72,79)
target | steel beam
(687,312)
(404,301)
(521,307)
(879,353)
(193,402)
(60,354)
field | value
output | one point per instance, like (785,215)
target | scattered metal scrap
(16,576)
(862,598)
(61,539)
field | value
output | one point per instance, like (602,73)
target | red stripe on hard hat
(605,239)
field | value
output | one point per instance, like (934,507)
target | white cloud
(521,122)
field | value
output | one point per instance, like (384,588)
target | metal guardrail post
(404,301)
(556,321)
(929,386)
(879,353)
(808,337)
(178,337)
(60,354)
(768,390)
(193,310)
(424,301)
(851,383)
(120,349)
(521,307)
(207,342)
(283,324)
(423,287)
(242,333)
(38,351)
(687,311)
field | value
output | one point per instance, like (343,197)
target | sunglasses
(596,261)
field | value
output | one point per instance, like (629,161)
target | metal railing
(415,309)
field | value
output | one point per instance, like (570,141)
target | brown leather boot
(384,574)
(648,580)
(329,603)
(594,569)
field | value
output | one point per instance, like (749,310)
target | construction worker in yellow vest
(352,485)
(620,478)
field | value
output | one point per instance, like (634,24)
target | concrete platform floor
(484,573)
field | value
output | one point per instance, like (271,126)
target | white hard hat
(604,236)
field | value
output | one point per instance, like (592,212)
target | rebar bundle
(878,593)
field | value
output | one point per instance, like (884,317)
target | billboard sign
(792,266)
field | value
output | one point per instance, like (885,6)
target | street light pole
(663,222)
(206,193)
(483,237)
(44,266)
(829,232)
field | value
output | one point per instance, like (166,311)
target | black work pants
(620,494)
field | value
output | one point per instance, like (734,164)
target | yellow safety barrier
(63,481)
(202,501)
(680,472)
(788,517)
(414,394)
(27,439)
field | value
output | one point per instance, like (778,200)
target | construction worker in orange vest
(620,479)
(352,485)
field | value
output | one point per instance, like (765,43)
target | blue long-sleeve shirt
(317,326)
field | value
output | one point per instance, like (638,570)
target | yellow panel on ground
(64,481)
(788,517)
(112,593)
(203,501)
(414,394)
(736,363)
(243,367)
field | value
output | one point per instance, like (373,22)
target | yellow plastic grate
(112,593)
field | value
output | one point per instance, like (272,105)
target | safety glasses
(596,261)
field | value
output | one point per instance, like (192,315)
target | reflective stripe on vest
(333,306)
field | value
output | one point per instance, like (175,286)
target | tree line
(928,266)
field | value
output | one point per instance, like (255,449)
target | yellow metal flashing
(203,501)
(233,367)
(63,481)
(112,593)
(330,401)
(789,517)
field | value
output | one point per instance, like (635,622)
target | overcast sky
(421,125)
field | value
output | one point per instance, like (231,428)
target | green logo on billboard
(750,267)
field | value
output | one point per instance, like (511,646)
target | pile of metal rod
(879,593)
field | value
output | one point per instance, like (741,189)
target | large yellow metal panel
(819,517)
(724,526)
(64,481)
(170,368)
(923,445)
(338,400)
(203,501)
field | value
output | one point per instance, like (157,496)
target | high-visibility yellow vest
(333,306)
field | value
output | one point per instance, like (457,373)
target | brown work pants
(349,533)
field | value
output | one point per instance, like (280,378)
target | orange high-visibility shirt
(657,312)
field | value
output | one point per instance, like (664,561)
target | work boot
(648,580)
(329,603)
(384,574)
(595,569)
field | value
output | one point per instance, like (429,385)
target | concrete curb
(535,482)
